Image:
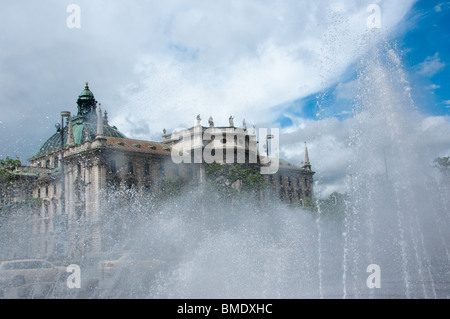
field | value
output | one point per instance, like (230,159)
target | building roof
(84,125)
(81,130)
(86,94)
(131,145)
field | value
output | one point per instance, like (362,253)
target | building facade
(87,157)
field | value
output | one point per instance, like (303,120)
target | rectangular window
(162,171)
(147,169)
(130,167)
(54,189)
(113,166)
(56,162)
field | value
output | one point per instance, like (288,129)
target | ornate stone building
(87,157)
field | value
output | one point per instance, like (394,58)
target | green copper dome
(84,125)
(82,131)
(87,105)
(86,94)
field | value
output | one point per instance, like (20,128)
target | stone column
(97,185)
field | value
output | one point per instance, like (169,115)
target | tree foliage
(231,180)
(7,166)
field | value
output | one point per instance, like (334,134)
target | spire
(99,122)
(70,138)
(307,164)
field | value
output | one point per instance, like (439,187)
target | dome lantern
(87,104)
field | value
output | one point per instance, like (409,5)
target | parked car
(15,273)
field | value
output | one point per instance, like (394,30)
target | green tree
(232,180)
(7,167)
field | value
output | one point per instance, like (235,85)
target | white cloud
(387,124)
(431,66)
(447,104)
(241,59)
(158,64)
(441,6)
(336,151)
(347,90)
(433,87)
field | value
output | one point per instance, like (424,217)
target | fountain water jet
(268,250)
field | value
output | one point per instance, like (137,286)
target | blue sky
(423,41)
(427,46)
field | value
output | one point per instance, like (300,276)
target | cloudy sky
(297,65)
